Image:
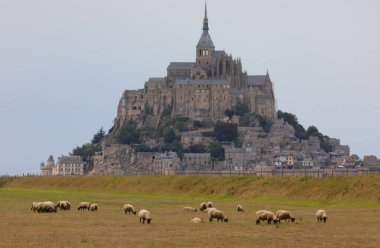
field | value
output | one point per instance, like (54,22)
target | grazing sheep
(263,215)
(46,207)
(93,207)
(284,215)
(34,206)
(240,208)
(210,204)
(128,208)
(144,215)
(214,213)
(321,215)
(202,206)
(63,205)
(84,205)
(197,220)
(189,209)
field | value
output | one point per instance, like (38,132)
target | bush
(226,131)
(216,151)
(208,134)
(198,124)
(241,108)
(128,134)
(197,148)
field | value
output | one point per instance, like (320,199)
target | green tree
(216,151)
(292,120)
(198,124)
(313,131)
(229,113)
(169,136)
(197,148)
(128,134)
(241,108)
(225,131)
(98,136)
(176,146)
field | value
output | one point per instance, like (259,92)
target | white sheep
(263,215)
(144,215)
(240,208)
(34,206)
(63,205)
(46,207)
(214,213)
(128,208)
(197,220)
(189,209)
(284,215)
(203,206)
(84,205)
(321,215)
(93,207)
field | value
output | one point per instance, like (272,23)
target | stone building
(190,138)
(47,170)
(69,165)
(196,161)
(201,90)
(370,160)
(166,163)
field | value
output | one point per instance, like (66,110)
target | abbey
(200,90)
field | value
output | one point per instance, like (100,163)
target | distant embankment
(329,188)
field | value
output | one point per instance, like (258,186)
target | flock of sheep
(212,212)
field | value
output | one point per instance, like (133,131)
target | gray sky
(65,64)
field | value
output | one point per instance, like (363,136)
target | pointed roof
(205,40)
(50,159)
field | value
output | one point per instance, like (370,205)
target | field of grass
(352,203)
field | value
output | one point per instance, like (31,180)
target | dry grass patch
(109,227)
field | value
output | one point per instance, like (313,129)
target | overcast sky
(64,64)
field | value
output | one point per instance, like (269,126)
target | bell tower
(205,47)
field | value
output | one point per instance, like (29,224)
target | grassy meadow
(352,204)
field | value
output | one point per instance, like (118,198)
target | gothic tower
(205,47)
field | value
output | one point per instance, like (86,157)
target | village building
(196,161)
(69,166)
(166,163)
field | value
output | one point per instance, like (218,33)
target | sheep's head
(225,219)
(324,218)
(134,212)
(292,219)
(258,221)
(148,220)
(275,220)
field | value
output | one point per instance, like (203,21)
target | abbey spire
(205,46)
(205,20)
